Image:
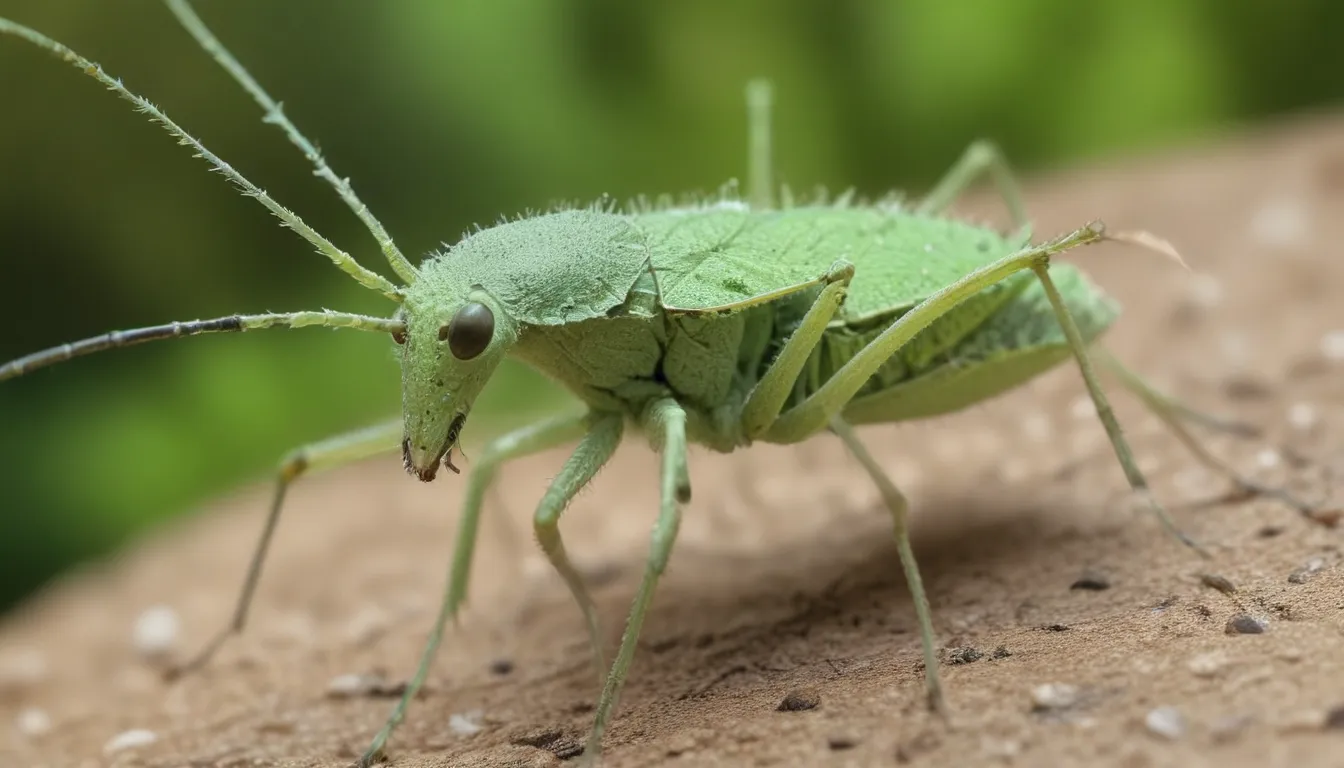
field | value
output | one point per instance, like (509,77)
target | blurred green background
(452,113)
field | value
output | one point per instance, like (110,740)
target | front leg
(522,442)
(592,453)
(768,396)
(664,421)
(327,454)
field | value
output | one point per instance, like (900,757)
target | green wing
(728,257)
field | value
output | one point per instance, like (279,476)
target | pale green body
(693,303)
(721,324)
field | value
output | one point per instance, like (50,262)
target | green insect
(724,324)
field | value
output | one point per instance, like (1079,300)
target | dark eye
(399,336)
(470,331)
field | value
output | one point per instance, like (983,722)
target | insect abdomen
(1018,343)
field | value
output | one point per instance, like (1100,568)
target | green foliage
(451,114)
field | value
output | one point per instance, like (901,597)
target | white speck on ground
(155,631)
(138,737)
(1166,722)
(33,722)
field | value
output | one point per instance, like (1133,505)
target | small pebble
(1207,664)
(465,724)
(1228,728)
(155,632)
(1220,583)
(1310,568)
(138,737)
(1303,417)
(348,686)
(1246,386)
(33,722)
(964,655)
(1000,652)
(1244,624)
(1165,603)
(1334,719)
(1326,517)
(1268,458)
(554,740)
(799,701)
(1053,696)
(841,743)
(1281,224)
(1092,581)
(1166,722)
(1332,345)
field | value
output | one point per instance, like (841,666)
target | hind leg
(1174,414)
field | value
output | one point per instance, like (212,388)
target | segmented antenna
(176,330)
(276,116)
(340,258)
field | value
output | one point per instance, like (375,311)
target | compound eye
(470,331)
(399,336)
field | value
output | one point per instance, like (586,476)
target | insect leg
(327,454)
(760,171)
(522,442)
(595,450)
(898,507)
(1172,411)
(664,422)
(981,157)
(767,397)
(1133,474)
(813,414)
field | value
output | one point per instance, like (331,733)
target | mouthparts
(431,469)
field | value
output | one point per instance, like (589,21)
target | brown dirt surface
(786,583)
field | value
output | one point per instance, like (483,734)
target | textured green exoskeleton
(724,323)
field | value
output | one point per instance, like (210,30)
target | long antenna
(276,116)
(176,330)
(340,258)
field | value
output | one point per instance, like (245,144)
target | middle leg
(898,507)
(664,421)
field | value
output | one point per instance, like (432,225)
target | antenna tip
(1152,242)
